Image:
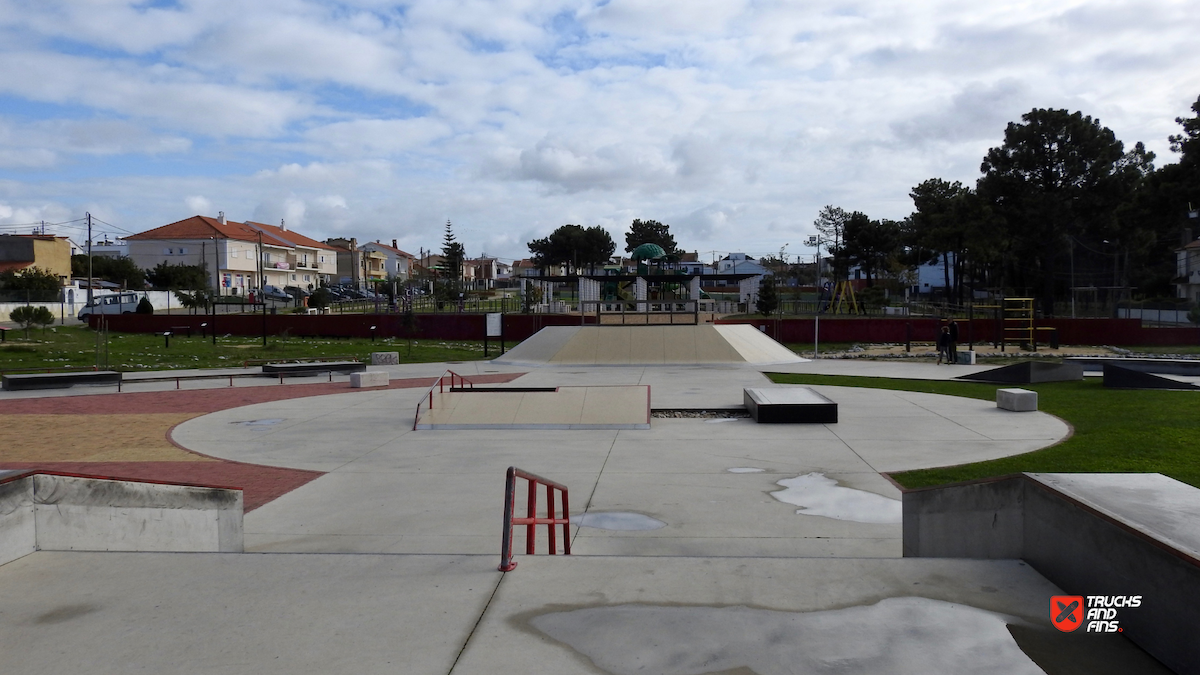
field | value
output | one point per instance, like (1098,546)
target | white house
(231,252)
(398,264)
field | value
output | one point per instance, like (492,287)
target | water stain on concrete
(892,636)
(818,495)
(619,520)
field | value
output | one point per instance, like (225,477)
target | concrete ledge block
(1016,400)
(51,512)
(369,379)
(385,358)
(966,357)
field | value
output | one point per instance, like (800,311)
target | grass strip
(1116,430)
(66,347)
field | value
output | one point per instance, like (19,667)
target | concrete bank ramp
(649,345)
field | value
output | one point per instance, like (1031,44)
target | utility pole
(212,322)
(261,284)
(89,288)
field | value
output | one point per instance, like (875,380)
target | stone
(1016,400)
(385,358)
(370,378)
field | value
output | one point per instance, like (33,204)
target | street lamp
(815,240)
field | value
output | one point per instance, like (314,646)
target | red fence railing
(531,519)
(439,384)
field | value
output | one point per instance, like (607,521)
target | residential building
(231,252)
(1187,270)
(740,263)
(43,251)
(358,266)
(397,263)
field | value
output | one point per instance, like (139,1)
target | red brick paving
(260,484)
(203,400)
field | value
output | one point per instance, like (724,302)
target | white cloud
(734,121)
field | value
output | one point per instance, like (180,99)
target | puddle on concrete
(745,469)
(895,636)
(260,423)
(821,496)
(618,520)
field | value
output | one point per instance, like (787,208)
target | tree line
(578,248)
(1060,203)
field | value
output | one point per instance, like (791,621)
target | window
(168,251)
(293,277)
(322,259)
(233,253)
(306,278)
(182,251)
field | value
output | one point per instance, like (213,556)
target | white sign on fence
(493,324)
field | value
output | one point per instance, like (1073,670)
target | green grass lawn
(66,347)
(1116,430)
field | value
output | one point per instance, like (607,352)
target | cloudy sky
(732,120)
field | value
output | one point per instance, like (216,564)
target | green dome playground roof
(648,252)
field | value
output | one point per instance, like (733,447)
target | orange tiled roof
(203,227)
(290,237)
(393,249)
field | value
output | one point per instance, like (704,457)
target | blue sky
(733,121)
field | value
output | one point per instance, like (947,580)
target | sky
(733,121)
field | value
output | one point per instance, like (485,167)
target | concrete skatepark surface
(387,561)
(660,345)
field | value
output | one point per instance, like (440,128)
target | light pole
(815,240)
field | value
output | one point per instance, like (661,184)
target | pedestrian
(943,344)
(953,341)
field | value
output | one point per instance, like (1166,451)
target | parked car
(275,293)
(116,303)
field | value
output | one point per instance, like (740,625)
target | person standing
(953,349)
(943,344)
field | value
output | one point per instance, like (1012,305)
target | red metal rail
(440,385)
(531,519)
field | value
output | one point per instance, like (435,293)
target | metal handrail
(439,384)
(531,521)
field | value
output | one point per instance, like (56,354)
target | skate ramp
(649,345)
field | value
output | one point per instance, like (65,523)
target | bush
(320,298)
(144,306)
(29,316)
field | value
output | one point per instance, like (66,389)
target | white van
(116,303)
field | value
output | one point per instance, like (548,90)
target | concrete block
(1016,400)
(1090,534)
(87,514)
(789,404)
(18,537)
(371,378)
(966,357)
(49,512)
(385,358)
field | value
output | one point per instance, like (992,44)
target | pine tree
(768,297)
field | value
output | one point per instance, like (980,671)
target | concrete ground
(775,548)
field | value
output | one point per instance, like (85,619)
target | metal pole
(212,323)
(89,288)
(261,284)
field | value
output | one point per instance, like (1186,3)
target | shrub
(320,298)
(29,316)
(144,306)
